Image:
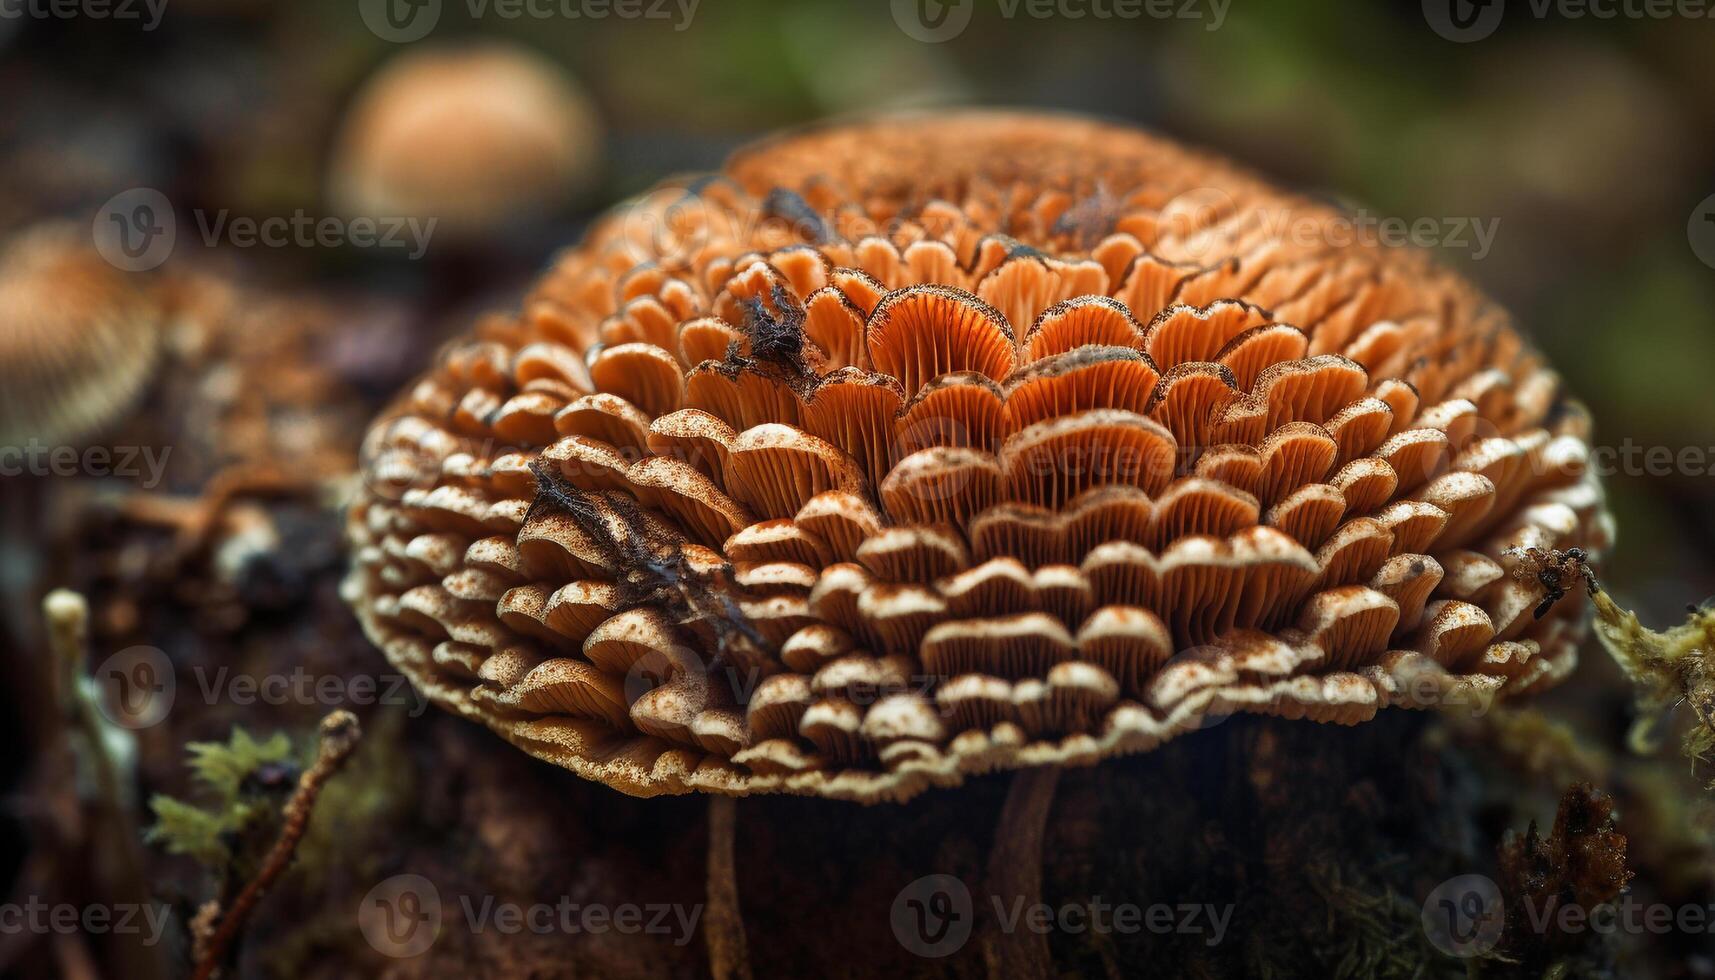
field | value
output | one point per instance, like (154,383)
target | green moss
(228,773)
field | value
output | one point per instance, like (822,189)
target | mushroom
(921,447)
(472,137)
(78,339)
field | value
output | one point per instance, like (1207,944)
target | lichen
(1666,668)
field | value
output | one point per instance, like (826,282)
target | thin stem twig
(339,737)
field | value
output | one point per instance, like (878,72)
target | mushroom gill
(927,446)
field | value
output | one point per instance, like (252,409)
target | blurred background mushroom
(81,338)
(478,139)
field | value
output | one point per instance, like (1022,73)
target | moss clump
(1580,865)
(1666,667)
(245,781)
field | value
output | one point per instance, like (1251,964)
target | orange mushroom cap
(932,445)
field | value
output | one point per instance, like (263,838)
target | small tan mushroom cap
(929,446)
(78,338)
(472,137)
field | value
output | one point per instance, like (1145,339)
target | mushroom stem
(67,614)
(723,923)
(1015,874)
